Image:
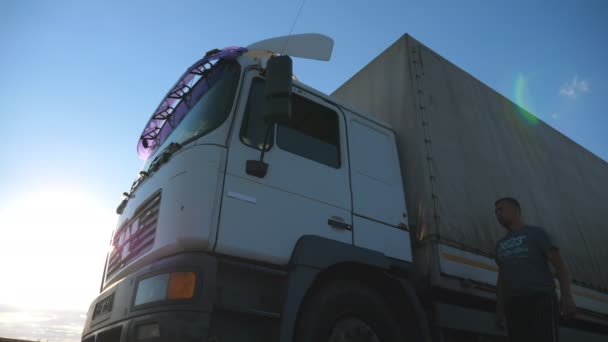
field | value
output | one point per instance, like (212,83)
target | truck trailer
(269,211)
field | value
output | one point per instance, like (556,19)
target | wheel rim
(352,329)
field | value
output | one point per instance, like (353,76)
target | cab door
(306,190)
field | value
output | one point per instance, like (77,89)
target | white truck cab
(327,168)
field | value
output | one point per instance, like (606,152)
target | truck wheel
(347,311)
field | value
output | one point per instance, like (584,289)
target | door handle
(338,222)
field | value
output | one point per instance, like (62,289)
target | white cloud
(41,325)
(572,89)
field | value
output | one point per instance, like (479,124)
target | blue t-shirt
(522,258)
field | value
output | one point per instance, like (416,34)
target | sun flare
(52,249)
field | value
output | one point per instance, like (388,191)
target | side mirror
(278,90)
(277,94)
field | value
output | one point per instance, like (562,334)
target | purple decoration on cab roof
(169,111)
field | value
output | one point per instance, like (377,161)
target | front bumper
(173,326)
(233,301)
(187,320)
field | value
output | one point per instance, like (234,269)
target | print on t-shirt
(515,247)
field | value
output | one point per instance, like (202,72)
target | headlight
(166,286)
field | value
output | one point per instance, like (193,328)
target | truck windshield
(205,113)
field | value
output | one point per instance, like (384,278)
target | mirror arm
(265,143)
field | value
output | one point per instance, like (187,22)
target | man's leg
(517,321)
(545,327)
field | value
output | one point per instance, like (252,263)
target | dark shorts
(533,318)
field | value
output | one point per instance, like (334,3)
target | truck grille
(135,236)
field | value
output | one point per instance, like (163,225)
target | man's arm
(563,272)
(568,307)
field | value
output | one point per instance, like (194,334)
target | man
(525,293)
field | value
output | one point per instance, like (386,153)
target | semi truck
(267,210)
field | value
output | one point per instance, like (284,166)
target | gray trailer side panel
(462,145)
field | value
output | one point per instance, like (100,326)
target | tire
(347,311)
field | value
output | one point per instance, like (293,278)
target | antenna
(293,25)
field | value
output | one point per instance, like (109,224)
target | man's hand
(500,319)
(567,307)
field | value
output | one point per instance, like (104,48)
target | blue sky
(79,79)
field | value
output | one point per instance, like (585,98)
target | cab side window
(313,133)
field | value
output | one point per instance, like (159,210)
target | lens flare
(523,100)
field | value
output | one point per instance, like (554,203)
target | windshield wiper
(127,195)
(162,158)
